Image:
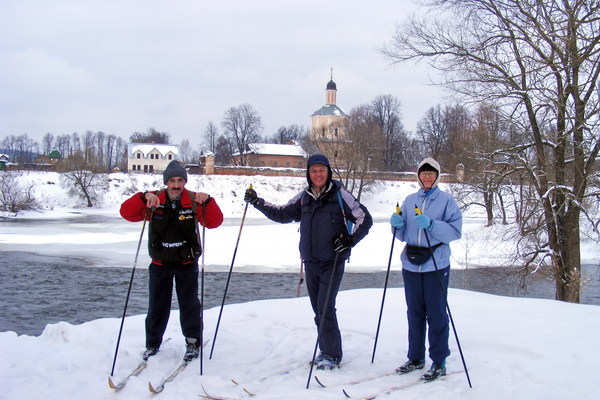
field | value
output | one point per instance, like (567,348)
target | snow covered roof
(330,109)
(277,149)
(147,148)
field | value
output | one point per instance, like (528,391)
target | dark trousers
(159,301)
(426,305)
(318,276)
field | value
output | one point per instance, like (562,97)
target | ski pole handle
(398,209)
(418,210)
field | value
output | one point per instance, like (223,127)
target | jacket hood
(433,164)
(319,159)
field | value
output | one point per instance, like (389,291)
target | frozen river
(78,270)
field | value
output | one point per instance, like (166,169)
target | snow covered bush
(15,197)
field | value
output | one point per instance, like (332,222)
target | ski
(249,393)
(138,370)
(178,370)
(396,388)
(356,381)
(211,397)
(135,372)
(161,385)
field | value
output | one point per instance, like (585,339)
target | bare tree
(459,142)
(486,172)
(63,145)
(433,131)
(288,134)
(121,154)
(99,139)
(242,126)
(82,178)
(224,150)
(75,144)
(185,151)
(385,110)
(111,141)
(8,144)
(151,136)
(47,143)
(539,62)
(88,146)
(211,133)
(23,148)
(13,196)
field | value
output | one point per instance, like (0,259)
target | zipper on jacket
(421,230)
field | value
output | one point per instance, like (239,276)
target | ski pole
(322,319)
(387,275)
(203,247)
(137,252)
(228,279)
(418,211)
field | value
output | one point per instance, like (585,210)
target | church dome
(331,85)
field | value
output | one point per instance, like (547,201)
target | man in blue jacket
(440,216)
(323,210)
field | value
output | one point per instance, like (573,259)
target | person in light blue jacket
(432,212)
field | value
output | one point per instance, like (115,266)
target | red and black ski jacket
(172,234)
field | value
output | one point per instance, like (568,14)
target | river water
(38,290)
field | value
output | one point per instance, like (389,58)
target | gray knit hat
(175,168)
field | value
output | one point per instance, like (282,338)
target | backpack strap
(193,198)
(348,223)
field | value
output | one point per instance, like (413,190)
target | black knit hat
(319,159)
(175,168)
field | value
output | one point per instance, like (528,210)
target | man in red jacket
(174,247)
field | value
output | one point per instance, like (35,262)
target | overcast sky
(123,66)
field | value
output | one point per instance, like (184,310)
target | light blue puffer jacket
(441,207)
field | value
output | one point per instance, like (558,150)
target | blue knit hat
(319,159)
(175,168)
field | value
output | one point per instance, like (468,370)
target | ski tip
(111,384)
(346,393)
(249,393)
(319,382)
(152,389)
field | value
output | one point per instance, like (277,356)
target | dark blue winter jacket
(321,220)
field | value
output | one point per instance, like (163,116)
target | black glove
(342,243)
(251,197)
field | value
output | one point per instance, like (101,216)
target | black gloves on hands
(342,243)
(251,197)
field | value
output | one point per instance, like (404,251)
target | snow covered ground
(514,347)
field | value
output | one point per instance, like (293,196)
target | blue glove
(423,221)
(397,221)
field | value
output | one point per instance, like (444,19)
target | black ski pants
(159,301)
(318,276)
